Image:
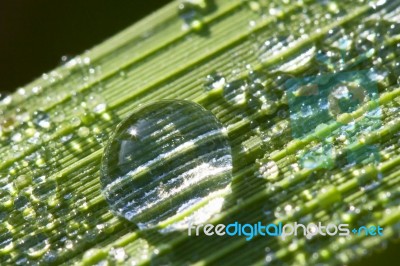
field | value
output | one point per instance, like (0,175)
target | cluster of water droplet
(32,201)
(31,198)
(257,92)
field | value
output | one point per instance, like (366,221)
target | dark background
(34,34)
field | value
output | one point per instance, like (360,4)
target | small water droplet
(270,258)
(21,202)
(274,45)
(122,74)
(192,12)
(6,239)
(214,81)
(235,92)
(7,124)
(75,121)
(96,103)
(268,170)
(262,99)
(161,157)
(69,244)
(252,23)
(22,116)
(254,6)
(333,7)
(299,62)
(118,255)
(276,11)
(91,253)
(17,137)
(320,156)
(346,98)
(66,138)
(22,181)
(41,119)
(6,200)
(44,190)
(83,132)
(50,257)
(29,214)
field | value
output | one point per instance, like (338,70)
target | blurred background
(34,35)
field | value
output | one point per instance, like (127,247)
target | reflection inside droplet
(162,158)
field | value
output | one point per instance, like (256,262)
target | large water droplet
(163,157)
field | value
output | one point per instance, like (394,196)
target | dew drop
(268,170)
(333,8)
(235,92)
(29,214)
(20,202)
(270,258)
(7,124)
(17,137)
(96,103)
(75,121)
(6,199)
(41,119)
(192,12)
(6,239)
(262,99)
(83,132)
(317,157)
(67,138)
(254,6)
(23,181)
(274,45)
(122,74)
(36,245)
(92,253)
(44,190)
(214,81)
(346,98)
(69,244)
(299,62)
(50,257)
(118,255)
(161,158)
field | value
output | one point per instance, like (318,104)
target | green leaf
(343,169)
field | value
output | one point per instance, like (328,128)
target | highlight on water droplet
(214,81)
(164,159)
(346,98)
(192,11)
(235,92)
